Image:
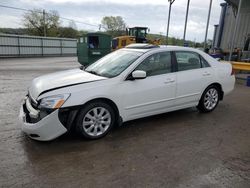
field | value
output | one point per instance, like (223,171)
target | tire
(95,120)
(209,99)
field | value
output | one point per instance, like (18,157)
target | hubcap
(211,99)
(96,121)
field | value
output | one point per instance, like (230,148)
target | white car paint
(134,99)
(59,79)
(146,96)
(48,128)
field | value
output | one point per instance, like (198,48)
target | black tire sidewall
(87,108)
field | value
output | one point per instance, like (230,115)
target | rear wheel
(209,99)
(95,120)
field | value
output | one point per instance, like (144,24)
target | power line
(41,12)
(79,22)
(16,8)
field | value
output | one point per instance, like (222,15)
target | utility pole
(44,23)
(208,18)
(169,13)
(185,27)
(235,29)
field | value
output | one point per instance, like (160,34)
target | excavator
(133,35)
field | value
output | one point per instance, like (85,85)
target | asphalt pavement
(179,149)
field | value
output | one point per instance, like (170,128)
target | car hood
(60,79)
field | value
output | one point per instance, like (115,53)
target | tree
(42,23)
(16,31)
(68,32)
(82,33)
(114,25)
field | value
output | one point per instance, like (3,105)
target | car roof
(160,48)
(141,46)
(144,47)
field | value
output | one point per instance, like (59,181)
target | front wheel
(95,120)
(209,99)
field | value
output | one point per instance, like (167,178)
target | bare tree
(114,25)
(40,23)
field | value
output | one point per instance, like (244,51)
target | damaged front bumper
(40,128)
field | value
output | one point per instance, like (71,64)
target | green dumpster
(92,47)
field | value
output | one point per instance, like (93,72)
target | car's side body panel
(139,98)
(191,83)
(224,77)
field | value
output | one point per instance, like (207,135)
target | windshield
(113,64)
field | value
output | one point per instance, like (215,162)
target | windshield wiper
(93,72)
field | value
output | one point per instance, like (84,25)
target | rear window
(188,60)
(204,63)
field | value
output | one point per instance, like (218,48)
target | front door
(155,93)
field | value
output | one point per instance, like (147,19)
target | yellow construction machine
(133,35)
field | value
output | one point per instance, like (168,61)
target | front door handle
(169,80)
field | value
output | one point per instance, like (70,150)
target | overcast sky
(150,13)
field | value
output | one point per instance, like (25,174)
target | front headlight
(54,102)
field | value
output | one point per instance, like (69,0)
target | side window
(93,42)
(204,63)
(156,64)
(188,60)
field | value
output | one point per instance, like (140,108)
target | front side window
(187,60)
(156,64)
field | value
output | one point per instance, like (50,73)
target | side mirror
(139,74)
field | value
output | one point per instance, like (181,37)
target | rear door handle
(206,73)
(169,80)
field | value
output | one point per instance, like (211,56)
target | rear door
(193,75)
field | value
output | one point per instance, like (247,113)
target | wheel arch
(106,100)
(219,86)
(201,105)
(74,111)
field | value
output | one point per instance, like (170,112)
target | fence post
(61,43)
(18,44)
(42,45)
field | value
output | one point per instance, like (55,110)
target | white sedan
(137,81)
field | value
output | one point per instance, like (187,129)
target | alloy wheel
(211,99)
(96,121)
